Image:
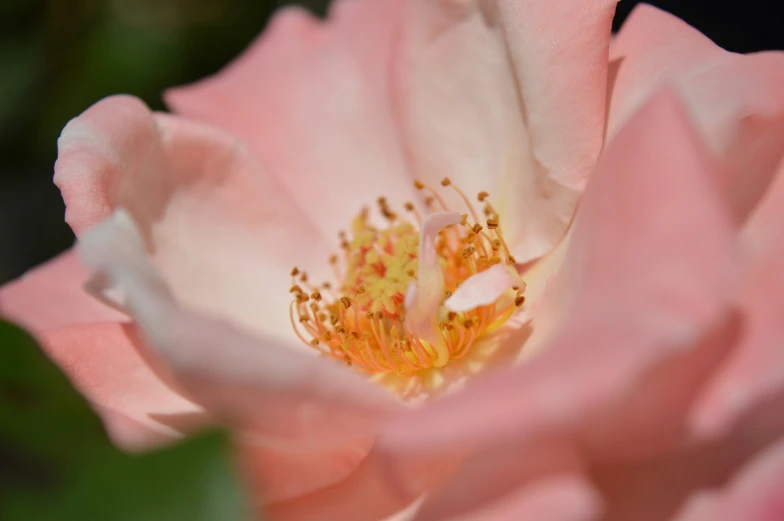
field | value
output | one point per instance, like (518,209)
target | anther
(512,260)
(360,289)
(492,224)
(327,336)
(333,259)
(295,289)
(419,185)
(446,182)
(477,228)
(482,196)
(464,219)
(468,324)
(294,272)
(496,244)
(519,301)
(314,342)
(409,207)
(346,302)
(316,296)
(303,277)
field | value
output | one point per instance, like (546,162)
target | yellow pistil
(362,321)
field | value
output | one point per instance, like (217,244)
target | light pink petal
(498,476)
(506,97)
(736,101)
(559,498)
(645,309)
(51,296)
(756,369)
(484,288)
(425,295)
(253,383)
(380,488)
(277,474)
(224,233)
(755,494)
(102,362)
(311,98)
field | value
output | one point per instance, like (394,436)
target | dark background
(57,57)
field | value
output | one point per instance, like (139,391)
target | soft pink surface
(667,325)
(219,227)
(51,296)
(103,363)
(311,100)
(648,321)
(736,101)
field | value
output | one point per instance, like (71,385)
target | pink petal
(51,296)
(224,233)
(277,474)
(381,488)
(756,370)
(102,362)
(425,295)
(755,494)
(500,477)
(561,498)
(312,100)
(483,289)
(253,383)
(507,98)
(647,305)
(735,101)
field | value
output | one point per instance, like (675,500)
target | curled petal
(484,288)
(424,297)
(255,384)
(220,229)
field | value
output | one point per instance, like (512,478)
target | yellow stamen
(361,320)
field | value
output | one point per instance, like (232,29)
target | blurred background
(57,57)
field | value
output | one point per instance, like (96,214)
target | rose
(663,327)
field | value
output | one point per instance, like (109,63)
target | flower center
(362,321)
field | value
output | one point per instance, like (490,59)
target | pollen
(361,319)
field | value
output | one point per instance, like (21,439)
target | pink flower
(649,342)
